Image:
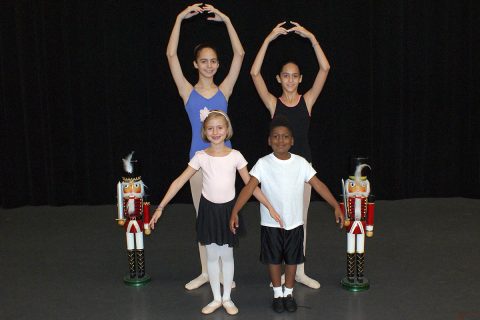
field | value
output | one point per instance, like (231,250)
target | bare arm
(268,99)
(242,199)
(325,193)
(184,87)
(238,53)
(312,94)
(176,185)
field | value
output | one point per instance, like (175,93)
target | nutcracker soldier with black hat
(358,206)
(134,215)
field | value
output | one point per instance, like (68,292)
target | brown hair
(200,47)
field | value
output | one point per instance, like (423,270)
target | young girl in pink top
(219,165)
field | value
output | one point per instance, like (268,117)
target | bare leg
(288,300)
(275,272)
(196,189)
(290,270)
(300,276)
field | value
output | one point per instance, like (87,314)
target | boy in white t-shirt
(282,176)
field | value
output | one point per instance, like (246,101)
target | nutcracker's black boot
(351,267)
(360,266)
(141,263)
(131,263)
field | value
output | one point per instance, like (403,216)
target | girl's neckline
(216,92)
(293,104)
(229,152)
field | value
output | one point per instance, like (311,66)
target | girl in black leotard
(296,107)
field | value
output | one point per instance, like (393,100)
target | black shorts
(280,245)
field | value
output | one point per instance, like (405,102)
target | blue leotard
(195,103)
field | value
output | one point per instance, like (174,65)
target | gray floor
(68,263)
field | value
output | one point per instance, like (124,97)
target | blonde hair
(216,114)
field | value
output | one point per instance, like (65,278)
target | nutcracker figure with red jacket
(358,207)
(134,215)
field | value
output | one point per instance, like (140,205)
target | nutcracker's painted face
(290,77)
(134,188)
(357,186)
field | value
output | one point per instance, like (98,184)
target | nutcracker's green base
(136,282)
(355,286)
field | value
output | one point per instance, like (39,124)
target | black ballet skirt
(213,223)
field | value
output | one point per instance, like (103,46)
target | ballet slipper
(306,280)
(211,307)
(197,282)
(230,307)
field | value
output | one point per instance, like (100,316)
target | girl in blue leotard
(204,94)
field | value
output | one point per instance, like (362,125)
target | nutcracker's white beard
(131,200)
(131,205)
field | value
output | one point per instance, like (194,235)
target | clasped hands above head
(197,8)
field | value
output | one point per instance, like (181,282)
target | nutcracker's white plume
(358,171)
(127,163)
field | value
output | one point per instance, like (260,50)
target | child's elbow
(241,53)
(254,73)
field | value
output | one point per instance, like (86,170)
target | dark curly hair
(280,121)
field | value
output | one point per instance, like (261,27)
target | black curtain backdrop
(85,82)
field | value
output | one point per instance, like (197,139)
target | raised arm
(238,53)
(312,94)
(268,99)
(184,87)
(325,193)
(176,185)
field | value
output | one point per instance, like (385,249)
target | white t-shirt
(219,174)
(282,182)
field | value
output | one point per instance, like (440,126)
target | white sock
(287,291)
(213,253)
(277,292)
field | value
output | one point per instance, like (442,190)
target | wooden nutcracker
(134,216)
(358,207)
